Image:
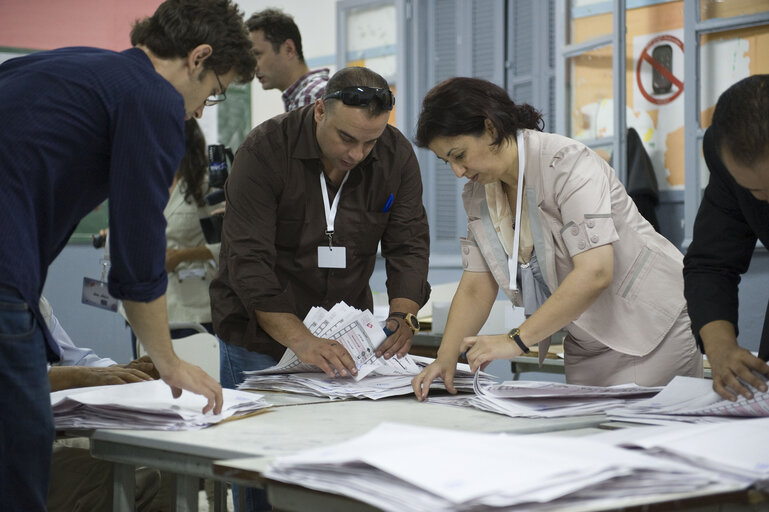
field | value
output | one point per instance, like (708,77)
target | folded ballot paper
(736,449)
(423,471)
(144,405)
(691,400)
(360,333)
(533,399)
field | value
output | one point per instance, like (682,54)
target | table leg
(187,489)
(124,488)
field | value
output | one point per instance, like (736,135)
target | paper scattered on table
(144,405)
(534,399)
(360,334)
(692,400)
(391,379)
(421,472)
(738,449)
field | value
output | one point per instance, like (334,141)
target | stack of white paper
(360,334)
(737,449)
(144,405)
(399,467)
(392,377)
(691,400)
(532,399)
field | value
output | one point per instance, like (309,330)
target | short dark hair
(178,26)
(357,76)
(461,106)
(278,27)
(741,119)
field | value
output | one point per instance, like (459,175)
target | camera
(219,159)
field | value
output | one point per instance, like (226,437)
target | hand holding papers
(357,331)
(360,334)
(144,405)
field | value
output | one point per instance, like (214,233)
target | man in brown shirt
(311,195)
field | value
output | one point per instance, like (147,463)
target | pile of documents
(691,400)
(144,405)
(360,334)
(736,449)
(421,472)
(534,399)
(393,378)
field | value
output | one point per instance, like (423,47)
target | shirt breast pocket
(287,233)
(369,231)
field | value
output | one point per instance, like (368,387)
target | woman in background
(550,212)
(191,262)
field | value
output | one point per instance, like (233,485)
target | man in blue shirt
(81,125)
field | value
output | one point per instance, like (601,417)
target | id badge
(332,257)
(95,294)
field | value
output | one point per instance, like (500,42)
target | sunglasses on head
(360,96)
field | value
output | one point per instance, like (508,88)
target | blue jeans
(26,422)
(233,361)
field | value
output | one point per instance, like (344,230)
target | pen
(388,204)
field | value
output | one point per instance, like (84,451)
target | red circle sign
(645,57)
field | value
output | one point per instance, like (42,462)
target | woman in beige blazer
(586,261)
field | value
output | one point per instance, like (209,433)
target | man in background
(280,61)
(81,125)
(733,215)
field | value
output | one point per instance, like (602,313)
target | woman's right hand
(442,367)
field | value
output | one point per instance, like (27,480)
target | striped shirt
(306,90)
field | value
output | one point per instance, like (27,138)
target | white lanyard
(331,210)
(512,261)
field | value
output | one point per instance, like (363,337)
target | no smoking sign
(659,69)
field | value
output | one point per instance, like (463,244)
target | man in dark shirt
(311,195)
(734,214)
(81,125)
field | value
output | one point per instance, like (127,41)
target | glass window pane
(372,41)
(710,9)
(588,19)
(589,96)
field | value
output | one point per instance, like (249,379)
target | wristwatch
(411,320)
(515,336)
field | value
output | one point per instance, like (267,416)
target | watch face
(412,320)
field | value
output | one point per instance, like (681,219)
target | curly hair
(178,26)
(741,120)
(193,168)
(278,27)
(461,105)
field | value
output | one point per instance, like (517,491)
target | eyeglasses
(216,98)
(359,96)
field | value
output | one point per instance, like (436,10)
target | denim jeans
(26,422)
(233,361)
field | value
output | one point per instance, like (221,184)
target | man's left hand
(399,342)
(143,364)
